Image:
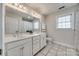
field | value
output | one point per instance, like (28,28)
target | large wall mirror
(36,25)
(31,24)
(21,23)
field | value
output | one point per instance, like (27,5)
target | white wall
(61,36)
(1,25)
(77,29)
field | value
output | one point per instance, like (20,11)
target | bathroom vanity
(23,36)
(26,45)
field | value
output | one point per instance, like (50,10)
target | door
(14,51)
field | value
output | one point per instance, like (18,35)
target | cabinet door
(43,40)
(27,49)
(36,47)
(36,44)
(14,52)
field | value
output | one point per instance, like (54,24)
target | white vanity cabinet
(26,47)
(36,44)
(39,42)
(19,48)
(43,40)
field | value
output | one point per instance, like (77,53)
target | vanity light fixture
(24,8)
(20,6)
(34,13)
(16,4)
(30,11)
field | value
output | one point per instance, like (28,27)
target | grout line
(49,48)
(48,51)
(57,51)
(66,51)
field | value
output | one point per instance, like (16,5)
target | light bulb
(20,6)
(16,4)
(24,8)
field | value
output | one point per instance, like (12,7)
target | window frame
(71,18)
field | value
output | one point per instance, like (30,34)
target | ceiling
(48,8)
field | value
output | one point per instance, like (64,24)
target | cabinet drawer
(17,43)
(36,38)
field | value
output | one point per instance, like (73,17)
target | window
(64,22)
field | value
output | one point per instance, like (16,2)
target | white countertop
(20,36)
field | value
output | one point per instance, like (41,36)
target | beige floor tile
(71,52)
(51,54)
(57,50)
(62,50)
(45,50)
(53,50)
(40,54)
(61,53)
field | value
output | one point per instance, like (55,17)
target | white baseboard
(64,44)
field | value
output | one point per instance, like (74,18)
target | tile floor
(57,50)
